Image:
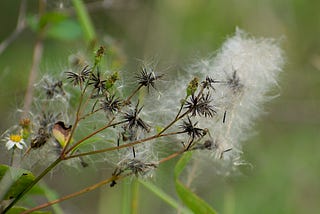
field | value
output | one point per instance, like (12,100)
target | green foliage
(13,181)
(85,21)
(191,200)
(56,25)
(18,210)
(164,196)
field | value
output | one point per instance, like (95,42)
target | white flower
(15,140)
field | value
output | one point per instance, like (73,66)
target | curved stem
(171,156)
(95,186)
(127,101)
(37,55)
(21,25)
(34,182)
(72,195)
(93,133)
(123,146)
(174,121)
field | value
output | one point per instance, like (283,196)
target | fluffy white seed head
(245,69)
(255,64)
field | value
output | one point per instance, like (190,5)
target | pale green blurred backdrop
(284,153)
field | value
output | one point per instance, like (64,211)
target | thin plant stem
(89,114)
(74,126)
(95,186)
(181,107)
(77,114)
(127,101)
(135,197)
(78,118)
(75,194)
(37,55)
(177,118)
(12,156)
(21,25)
(123,145)
(173,155)
(34,182)
(92,134)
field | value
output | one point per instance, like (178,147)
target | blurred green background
(284,154)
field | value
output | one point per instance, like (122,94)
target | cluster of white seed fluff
(236,81)
(244,71)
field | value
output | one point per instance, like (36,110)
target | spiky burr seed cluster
(211,108)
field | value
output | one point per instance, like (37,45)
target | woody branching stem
(123,145)
(75,194)
(113,178)
(92,134)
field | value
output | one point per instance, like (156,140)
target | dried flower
(25,123)
(98,84)
(200,105)
(135,166)
(208,83)
(79,78)
(234,82)
(48,119)
(191,129)
(40,139)
(53,88)
(148,79)
(111,103)
(134,121)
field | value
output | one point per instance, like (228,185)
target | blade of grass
(165,197)
(135,197)
(191,200)
(126,197)
(51,195)
(85,21)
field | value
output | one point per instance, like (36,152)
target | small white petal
(23,143)
(10,144)
(19,146)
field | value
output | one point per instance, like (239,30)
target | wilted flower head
(147,77)
(79,78)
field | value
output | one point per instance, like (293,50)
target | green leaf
(37,24)
(56,25)
(65,30)
(51,18)
(191,200)
(164,196)
(183,161)
(44,190)
(18,210)
(51,195)
(13,181)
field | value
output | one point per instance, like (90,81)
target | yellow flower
(15,140)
